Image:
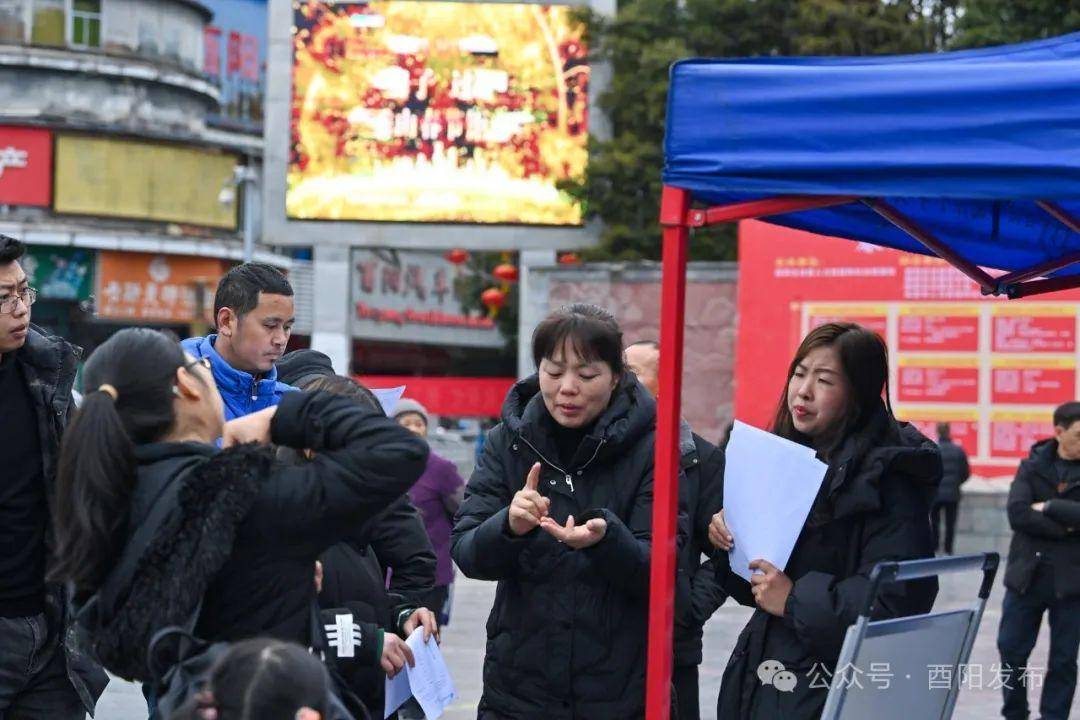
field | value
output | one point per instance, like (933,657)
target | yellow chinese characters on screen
(437,112)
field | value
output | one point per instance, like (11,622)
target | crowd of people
(250,534)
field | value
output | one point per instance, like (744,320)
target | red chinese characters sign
(940,379)
(1043,332)
(212,51)
(25,166)
(938,329)
(994,370)
(963,426)
(1013,433)
(1027,381)
(155,288)
(409,297)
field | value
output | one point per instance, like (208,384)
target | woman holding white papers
(873,506)
(559,512)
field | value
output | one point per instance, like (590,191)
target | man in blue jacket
(253,310)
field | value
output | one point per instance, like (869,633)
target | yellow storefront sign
(142,180)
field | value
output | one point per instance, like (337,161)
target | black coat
(354,578)
(955,471)
(242,530)
(701,491)
(566,635)
(1051,536)
(873,507)
(394,541)
(49,364)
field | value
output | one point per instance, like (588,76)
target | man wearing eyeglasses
(40,675)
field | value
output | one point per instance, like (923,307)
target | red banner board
(929,382)
(1012,437)
(25,166)
(994,369)
(450,396)
(1028,334)
(1033,385)
(964,433)
(920,333)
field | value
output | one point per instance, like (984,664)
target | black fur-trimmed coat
(243,531)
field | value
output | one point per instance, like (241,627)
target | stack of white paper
(769,487)
(429,682)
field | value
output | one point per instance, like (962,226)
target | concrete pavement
(463,647)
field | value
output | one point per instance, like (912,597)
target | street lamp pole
(244,176)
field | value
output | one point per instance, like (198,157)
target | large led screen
(415,111)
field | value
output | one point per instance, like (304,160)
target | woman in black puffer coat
(559,512)
(873,506)
(155,522)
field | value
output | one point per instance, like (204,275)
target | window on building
(86,23)
(13,21)
(48,23)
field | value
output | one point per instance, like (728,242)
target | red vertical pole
(673,216)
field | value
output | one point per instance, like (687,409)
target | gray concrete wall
(982,525)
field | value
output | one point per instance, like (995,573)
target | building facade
(122,125)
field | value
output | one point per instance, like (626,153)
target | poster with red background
(26,165)
(994,369)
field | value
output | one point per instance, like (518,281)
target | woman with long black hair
(155,522)
(873,506)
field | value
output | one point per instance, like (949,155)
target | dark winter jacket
(873,507)
(566,635)
(702,494)
(49,365)
(242,530)
(437,495)
(394,543)
(354,577)
(1051,536)
(955,471)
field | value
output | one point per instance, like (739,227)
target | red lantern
(493,299)
(505,272)
(569,259)
(457,256)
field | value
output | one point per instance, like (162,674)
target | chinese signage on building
(993,369)
(409,297)
(437,112)
(142,180)
(156,288)
(25,166)
(60,273)
(235,57)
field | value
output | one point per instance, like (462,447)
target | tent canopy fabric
(962,143)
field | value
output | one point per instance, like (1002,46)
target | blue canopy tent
(971,156)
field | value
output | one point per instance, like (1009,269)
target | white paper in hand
(429,681)
(769,487)
(389,397)
(397,692)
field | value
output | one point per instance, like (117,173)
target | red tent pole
(673,216)
(1059,213)
(943,251)
(765,207)
(1042,287)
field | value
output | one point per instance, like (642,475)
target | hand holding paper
(769,487)
(428,680)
